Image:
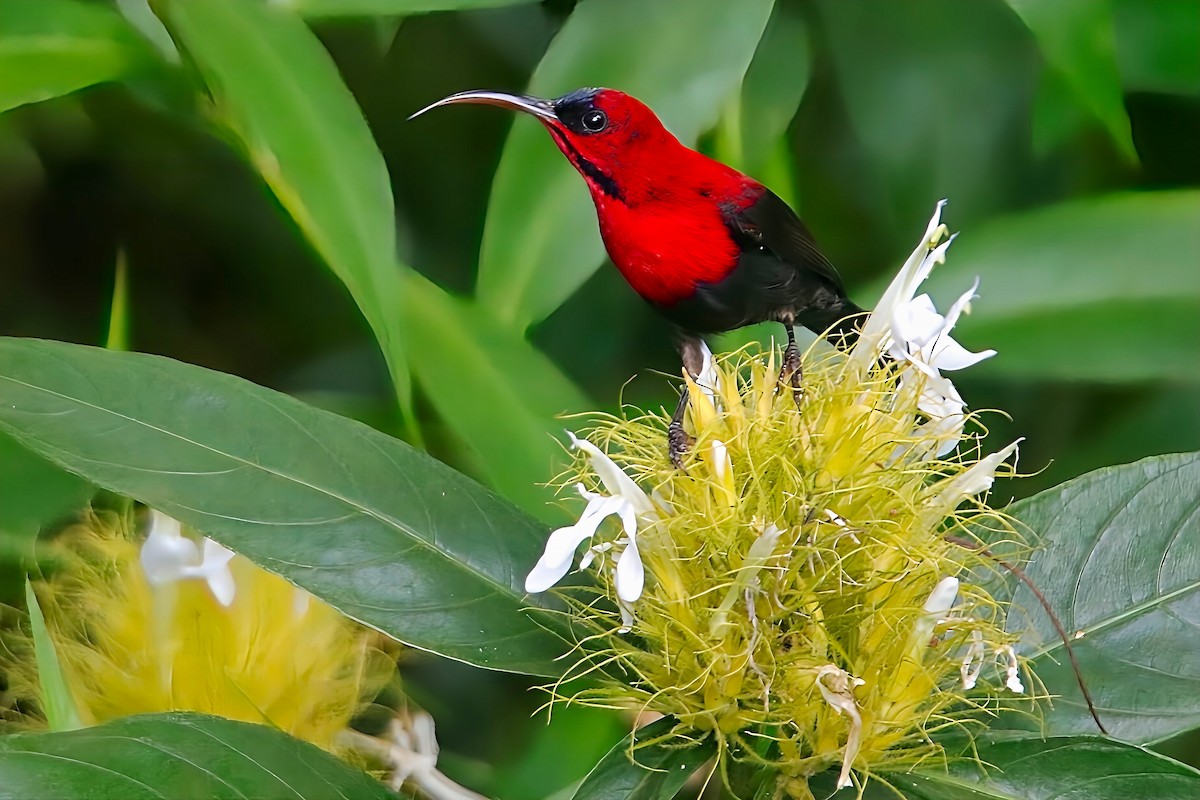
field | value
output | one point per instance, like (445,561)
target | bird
(709,248)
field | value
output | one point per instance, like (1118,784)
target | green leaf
(1120,566)
(1065,768)
(53,47)
(1158,45)
(381,8)
(771,91)
(497,391)
(180,756)
(279,91)
(639,768)
(381,531)
(118,315)
(905,75)
(1102,289)
(1077,40)
(57,702)
(35,491)
(683,58)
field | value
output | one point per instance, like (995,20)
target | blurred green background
(1063,132)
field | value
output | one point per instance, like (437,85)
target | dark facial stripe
(594,173)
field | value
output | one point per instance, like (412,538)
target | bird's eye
(595,120)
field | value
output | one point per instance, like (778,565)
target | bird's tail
(841,325)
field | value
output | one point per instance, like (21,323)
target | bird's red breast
(667,243)
(661,206)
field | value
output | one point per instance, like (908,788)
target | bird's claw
(678,443)
(791,373)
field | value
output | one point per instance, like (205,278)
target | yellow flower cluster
(259,649)
(801,601)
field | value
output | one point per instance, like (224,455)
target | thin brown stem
(1020,575)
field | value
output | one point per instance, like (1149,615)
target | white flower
(875,338)
(921,335)
(168,556)
(627,501)
(908,328)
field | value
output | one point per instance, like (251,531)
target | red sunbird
(709,248)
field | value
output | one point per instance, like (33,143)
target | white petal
(942,598)
(721,464)
(1013,673)
(939,398)
(707,380)
(972,662)
(628,516)
(877,329)
(935,221)
(982,474)
(613,477)
(630,574)
(627,618)
(560,546)
(950,355)
(764,545)
(946,433)
(216,573)
(916,323)
(961,305)
(166,553)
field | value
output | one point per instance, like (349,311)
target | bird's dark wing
(770,223)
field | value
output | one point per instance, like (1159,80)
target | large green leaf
(35,491)
(1158,45)
(906,73)
(637,768)
(1077,40)
(381,531)
(1103,289)
(373,8)
(498,391)
(683,58)
(52,47)
(177,756)
(771,91)
(278,90)
(1066,768)
(1121,567)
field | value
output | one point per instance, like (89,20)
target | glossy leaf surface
(381,531)
(53,47)
(1121,567)
(277,89)
(177,756)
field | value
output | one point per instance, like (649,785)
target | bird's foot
(678,443)
(791,373)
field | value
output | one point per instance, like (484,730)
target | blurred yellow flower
(175,623)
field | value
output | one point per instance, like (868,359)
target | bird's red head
(615,141)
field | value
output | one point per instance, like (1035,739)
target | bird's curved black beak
(542,109)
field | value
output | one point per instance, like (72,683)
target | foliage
(282,222)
